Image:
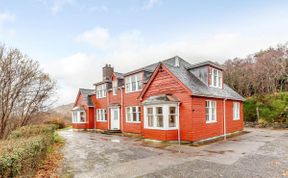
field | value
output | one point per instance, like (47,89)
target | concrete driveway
(259,153)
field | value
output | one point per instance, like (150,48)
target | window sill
(101,97)
(79,122)
(211,122)
(132,91)
(159,128)
(237,119)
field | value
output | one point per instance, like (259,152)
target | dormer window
(216,78)
(114,87)
(133,83)
(101,91)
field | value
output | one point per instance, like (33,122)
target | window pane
(172,121)
(159,110)
(150,120)
(159,120)
(128,115)
(150,110)
(172,110)
(82,117)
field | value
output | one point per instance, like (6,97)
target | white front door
(115,119)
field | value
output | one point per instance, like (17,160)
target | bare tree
(24,89)
(261,73)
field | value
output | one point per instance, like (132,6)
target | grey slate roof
(119,75)
(86,96)
(197,87)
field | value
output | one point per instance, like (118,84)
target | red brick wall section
(203,130)
(165,83)
(100,103)
(233,125)
(130,99)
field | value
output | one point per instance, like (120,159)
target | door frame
(112,119)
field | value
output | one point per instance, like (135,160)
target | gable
(163,82)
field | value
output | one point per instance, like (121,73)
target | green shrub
(24,150)
(273,109)
(57,121)
(32,130)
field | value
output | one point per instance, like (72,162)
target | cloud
(5,19)
(97,37)
(56,6)
(150,4)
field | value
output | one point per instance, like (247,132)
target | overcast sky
(73,39)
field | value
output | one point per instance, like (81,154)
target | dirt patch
(51,163)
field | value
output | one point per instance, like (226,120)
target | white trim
(101,115)
(114,87)
(138,114)
(76,116)
(129,83)
(210,111)
(219,77)
(101,91)
(165,115)
(236,111)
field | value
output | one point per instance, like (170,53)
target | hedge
(24,150)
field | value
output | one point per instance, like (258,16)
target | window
(133,114)
(163,117)
(133,83)
(172,116)
(114,87)
(210,111)
(236,111)
(101,115)
(101,91)
(78,117)
(215,78)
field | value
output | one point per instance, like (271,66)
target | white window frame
(76,117)
(114,87)
(133,83)
(218,74)
(236,111)
(101,115)
(212,105)
(166,113)
(130,114)
(101,91)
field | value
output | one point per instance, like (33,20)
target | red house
(169,100)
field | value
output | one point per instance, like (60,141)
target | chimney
(107,72)
(176,62)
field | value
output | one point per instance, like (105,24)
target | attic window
(216,78)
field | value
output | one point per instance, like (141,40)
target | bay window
(210,111)
(236,111)
(101,91)
(133,114)
(101,115)
(78,116)
(162,117)
(216,78)
(133,83)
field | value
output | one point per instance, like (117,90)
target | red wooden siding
(165,83)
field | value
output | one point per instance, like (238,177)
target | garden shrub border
(24,149)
